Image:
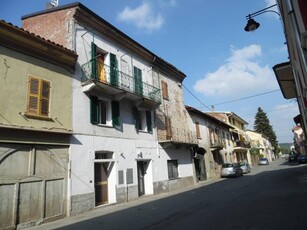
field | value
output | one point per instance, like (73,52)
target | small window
(38,97)
(172,166)
(164,90)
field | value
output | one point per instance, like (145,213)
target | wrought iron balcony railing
(217,143)
(111,76)
(242,144)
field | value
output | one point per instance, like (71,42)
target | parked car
(245,167)
(292,157)
(231,170)
(263,161)
(302,159)
(285,156)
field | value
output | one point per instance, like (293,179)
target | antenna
(52,4)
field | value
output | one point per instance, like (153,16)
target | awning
(297,119)
(285,79)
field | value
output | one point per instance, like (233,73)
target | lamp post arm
(262,11)
(273,11)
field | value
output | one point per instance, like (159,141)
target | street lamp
(252,24)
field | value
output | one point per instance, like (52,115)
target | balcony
(216,144)
(242,145)
(178,137)
(111,81)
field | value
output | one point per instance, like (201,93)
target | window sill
(143,131)
(38,117)
(105,126)
(174,178)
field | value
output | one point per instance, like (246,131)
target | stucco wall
(14,73)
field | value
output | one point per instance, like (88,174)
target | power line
(243,98)
(289,107)
(197,98)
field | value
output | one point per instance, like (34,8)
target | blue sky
(206,40)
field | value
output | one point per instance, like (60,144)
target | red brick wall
(54,26)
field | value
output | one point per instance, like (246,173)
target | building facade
(292,74)
(260,147)
(129,136)
(35,127)
(215,144)
(240,141)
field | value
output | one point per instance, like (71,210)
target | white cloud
(270,2)
(142,16)
(241,75)
(282,121)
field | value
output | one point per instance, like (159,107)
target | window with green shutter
(115,113)
(102,112)
(94,109)
(142,120)
(148,121)
(138,82)
(113,70)
(93,61)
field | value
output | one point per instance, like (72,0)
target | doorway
(200,167)
(101,183)
(141,169)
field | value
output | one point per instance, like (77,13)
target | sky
(226,68)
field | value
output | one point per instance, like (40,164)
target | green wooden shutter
(148,121)
(113,70)
(94,109)
(138,84)
(115,113)
(93,61)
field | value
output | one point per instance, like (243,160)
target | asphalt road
(270,197)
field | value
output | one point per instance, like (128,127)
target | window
(38,97)
(172,166)
(104,112)
(228,138)
(197,130)
(164,90)
(142,120)
(138,83)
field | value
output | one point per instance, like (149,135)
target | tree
(262,125)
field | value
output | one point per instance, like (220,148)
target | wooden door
(101,183)
(101,69)
(32,184)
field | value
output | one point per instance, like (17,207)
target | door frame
(109,170)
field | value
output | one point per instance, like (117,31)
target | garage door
(32,184)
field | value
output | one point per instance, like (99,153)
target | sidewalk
(108,209)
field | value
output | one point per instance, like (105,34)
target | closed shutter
(93,61)
(164,90)
(115,113)
(148,121)
(45,98)
(38,97)
(113,70)
(138,82)
(94,110)
(33,96)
